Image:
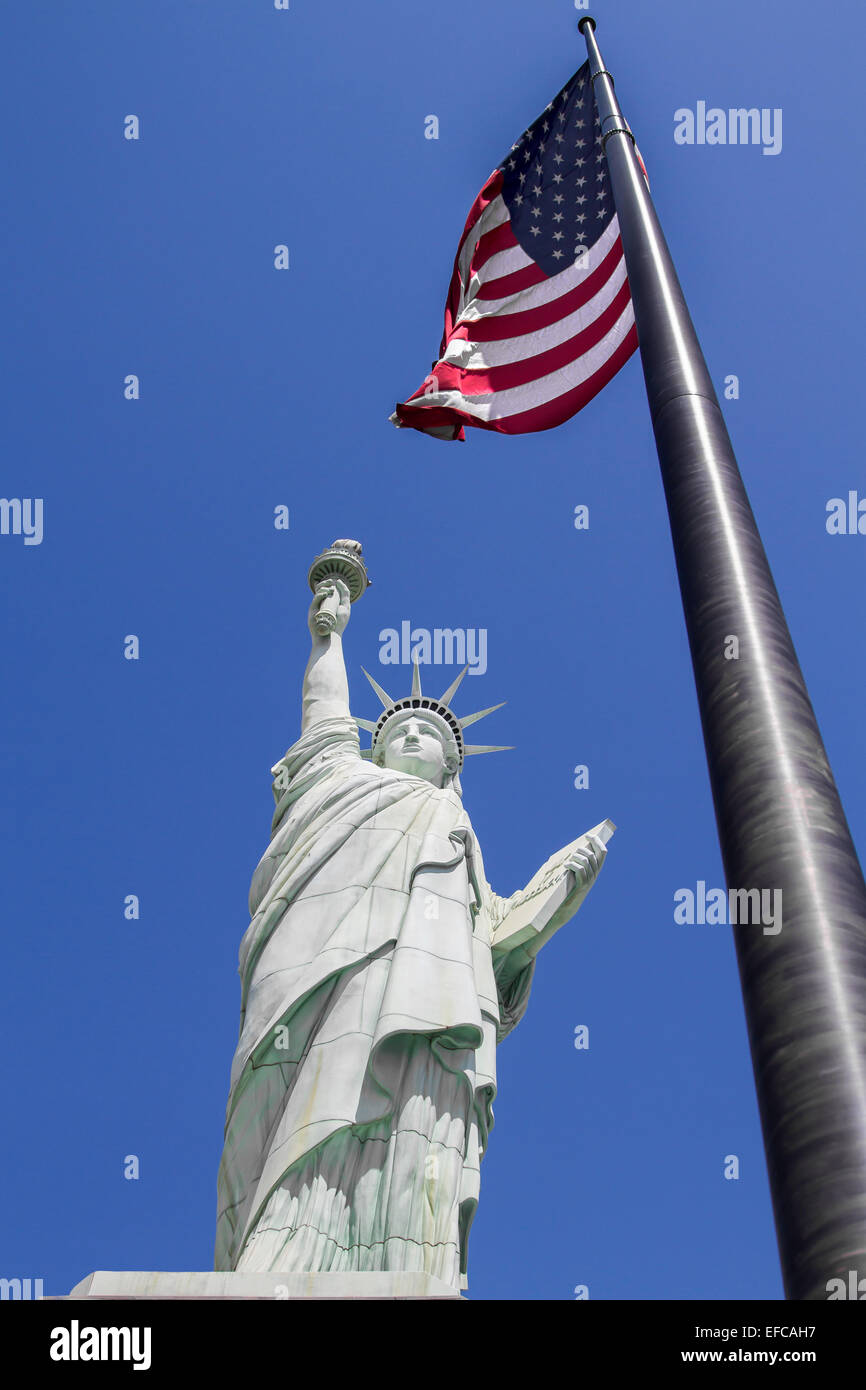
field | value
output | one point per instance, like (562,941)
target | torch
(342,560)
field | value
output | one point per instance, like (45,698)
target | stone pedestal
(274,1287)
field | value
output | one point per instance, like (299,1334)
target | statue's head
(422,736)
(420,743)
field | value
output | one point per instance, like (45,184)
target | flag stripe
(486,198)
(554,288)
(499,238)
(543,417)
(517,361)
(451,383)
(503,326)
(487,209)
(508,285)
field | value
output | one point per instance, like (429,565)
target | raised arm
(326,689)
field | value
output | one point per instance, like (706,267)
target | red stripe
(499,326)
(542,417)
(480,381)
(491,190)
(512,284)
(418,418)
(499,238)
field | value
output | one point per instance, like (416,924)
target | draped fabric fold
(362,1085)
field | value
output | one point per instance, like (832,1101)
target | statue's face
(415,745)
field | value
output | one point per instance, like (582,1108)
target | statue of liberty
(378,973)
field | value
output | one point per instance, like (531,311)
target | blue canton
(555,180)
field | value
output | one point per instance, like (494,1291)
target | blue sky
(262,388)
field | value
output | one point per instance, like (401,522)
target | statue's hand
(585,864)
(330,608)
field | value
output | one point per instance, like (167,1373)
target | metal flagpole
(780,821)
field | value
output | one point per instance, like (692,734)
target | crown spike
(383,694)
(482,714)
(443,699)
(416,680)
(471,748)
(367,724)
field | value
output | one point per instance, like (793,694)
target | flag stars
(558,149)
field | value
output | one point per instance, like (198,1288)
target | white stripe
(505,262)
(547,290)
(493,216)
(474,356)
(498,405)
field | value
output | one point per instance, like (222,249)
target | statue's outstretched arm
(326,689)
(550,899)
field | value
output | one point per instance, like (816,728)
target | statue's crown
(436,710)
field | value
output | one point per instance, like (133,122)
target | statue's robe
(363,1081)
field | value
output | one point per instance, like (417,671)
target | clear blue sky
(261,388)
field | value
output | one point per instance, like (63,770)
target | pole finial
(585,19)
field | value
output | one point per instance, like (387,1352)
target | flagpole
(780,822)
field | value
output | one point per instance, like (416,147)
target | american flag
(539,315)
